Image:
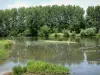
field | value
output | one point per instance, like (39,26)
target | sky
(8,4)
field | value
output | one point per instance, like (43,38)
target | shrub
(66,33)
(56,35)
(82,32)
(44,31)
(18,70)
(88,32)
(44,67)
(24,69)
(13,33)
(3,54)
(27,32)
(98,35)
(5,44)
(73,34)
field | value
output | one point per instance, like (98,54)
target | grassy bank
(59,36)
(56,42)
(38,68)
(5,45)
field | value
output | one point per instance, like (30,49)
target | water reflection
(81,57)
(55,53)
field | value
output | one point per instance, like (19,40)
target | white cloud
(82,3)
(18,5)
(57,2)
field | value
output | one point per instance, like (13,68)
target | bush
(73,34)
(88,32)
(3,54)
(18,70)
(43,67)
(56,35)
(13,33)
(5,44)
(98,35)
(82,33)
(66,33)
(24,69)
(27,32)
(44,31)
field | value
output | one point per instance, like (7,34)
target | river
(82,57)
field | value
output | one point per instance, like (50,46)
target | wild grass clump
(18,70)
(3,54)
(40,68)
(5,44)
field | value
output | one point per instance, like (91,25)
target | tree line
(34,21)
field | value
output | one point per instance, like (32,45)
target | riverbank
(9,73)
(57,42)
(5,45)
(61,35)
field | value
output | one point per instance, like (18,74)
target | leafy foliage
(88,32)
(39,66)
(18,70)
(93,17)
(42,20)
(3,54)
(66,33)
(44,31)
(31,21)
(4,46)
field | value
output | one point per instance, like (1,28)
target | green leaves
(43,67)
(88,32)
(44,31)
(93,17)
(18,70)
(16,22)
(4,46)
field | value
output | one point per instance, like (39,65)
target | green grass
(18,70)
(4,46)
(40,67)
(3,54)
(33,66)
(57,42)
(53,35)
(97,35)
(78,35)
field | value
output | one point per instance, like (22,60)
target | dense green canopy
(30,21)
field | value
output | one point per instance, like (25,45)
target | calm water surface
(82,57)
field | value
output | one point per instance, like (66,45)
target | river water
(82,57)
